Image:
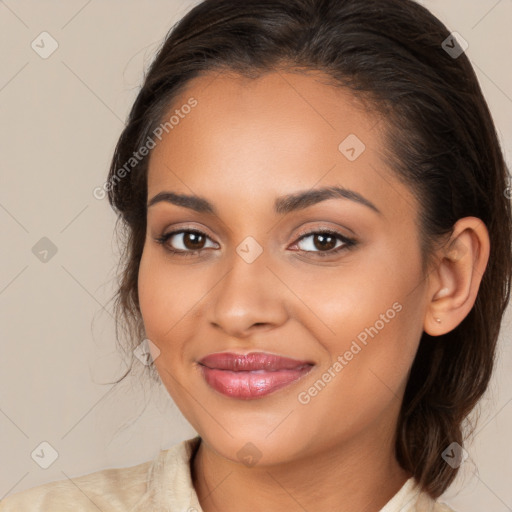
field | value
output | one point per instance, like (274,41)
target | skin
(246,143)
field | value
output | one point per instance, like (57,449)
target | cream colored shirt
(164,484)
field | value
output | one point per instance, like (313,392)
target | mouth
(250,376)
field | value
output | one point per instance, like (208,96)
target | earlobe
(443,292)
(453,285)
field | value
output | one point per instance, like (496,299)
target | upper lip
(252,361)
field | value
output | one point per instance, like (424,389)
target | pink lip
(253,375)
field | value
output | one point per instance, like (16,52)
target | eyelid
(318,229)
(323,228)
(180,230)
(186,227)
(194,231)
(347,242)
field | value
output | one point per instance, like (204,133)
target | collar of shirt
(170,486)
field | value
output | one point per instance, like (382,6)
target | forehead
(272,135)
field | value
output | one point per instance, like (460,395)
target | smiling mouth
(250,376)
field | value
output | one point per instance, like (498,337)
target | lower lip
(254,384)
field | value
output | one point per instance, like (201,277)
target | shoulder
(441,507)
(411,498)
(438,507)
(426,504)
(107,490)
(152,485)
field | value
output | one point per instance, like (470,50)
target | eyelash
(348,242)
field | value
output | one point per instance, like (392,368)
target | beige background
(61,117)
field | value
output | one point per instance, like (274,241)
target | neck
(358,475)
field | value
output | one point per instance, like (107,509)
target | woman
(318,259)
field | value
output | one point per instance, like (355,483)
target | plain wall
(61,117)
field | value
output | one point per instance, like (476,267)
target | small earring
(438,320)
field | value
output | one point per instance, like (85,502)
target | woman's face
(263,276)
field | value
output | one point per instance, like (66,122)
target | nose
(249,298)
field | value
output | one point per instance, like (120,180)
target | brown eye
(193,240)
(185,242)
(320,242)
(324,242)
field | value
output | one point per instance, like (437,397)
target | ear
(454,283)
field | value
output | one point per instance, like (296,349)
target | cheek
(370,287)
(371,316)
(165,295)
(152,293)
(369,361)
(164,302)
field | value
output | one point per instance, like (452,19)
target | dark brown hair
(441,141)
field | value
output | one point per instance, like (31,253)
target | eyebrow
(282,205)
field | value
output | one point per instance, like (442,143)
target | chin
(252,449)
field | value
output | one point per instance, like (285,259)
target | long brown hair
(441,141)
